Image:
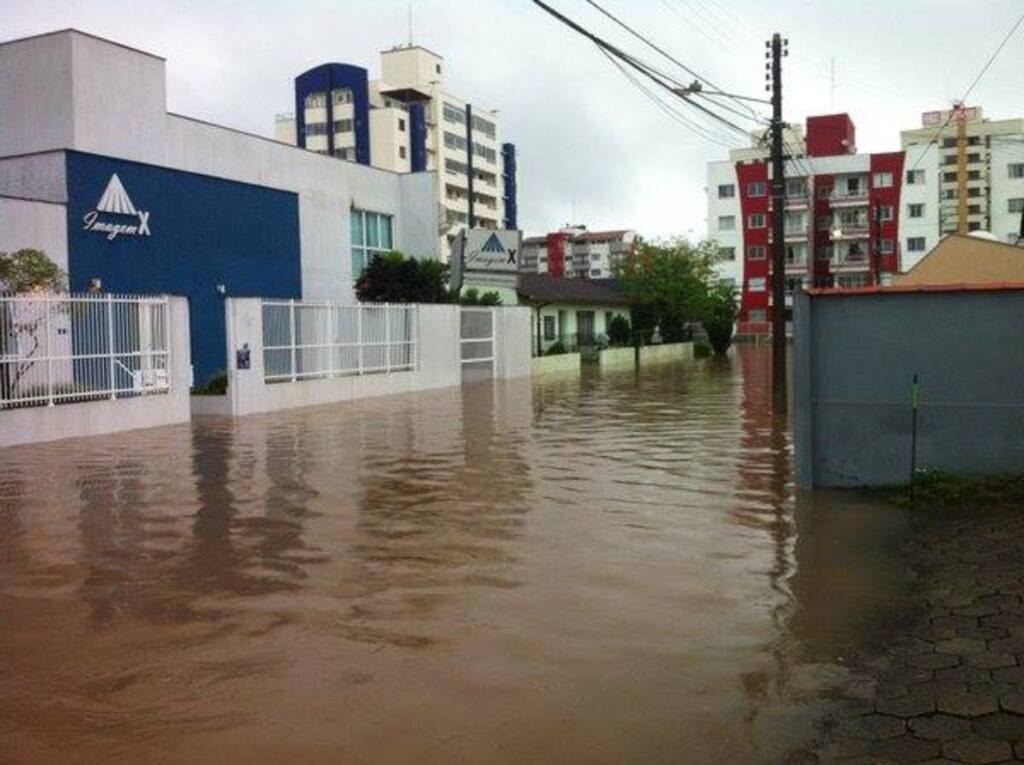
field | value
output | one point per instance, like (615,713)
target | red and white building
(851,219)
(574,252)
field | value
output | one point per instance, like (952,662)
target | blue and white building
(408,121)
(129,198)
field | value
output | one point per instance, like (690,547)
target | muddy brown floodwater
(604,570)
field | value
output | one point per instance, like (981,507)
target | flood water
(606,569)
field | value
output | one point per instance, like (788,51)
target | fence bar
(110,344)
(49,353)
(291,321)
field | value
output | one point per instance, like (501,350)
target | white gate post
(387,338)
(359,336)
(291,322)
(49,353)
(110,343)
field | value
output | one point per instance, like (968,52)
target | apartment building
(574,252)
(981,164)
(408,121)
(852,219)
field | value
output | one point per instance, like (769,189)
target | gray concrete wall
(854,359)
(39,225)
(91,418)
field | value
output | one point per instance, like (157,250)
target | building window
(756,220)
(726,191)
(1015,205)
(437,68)
(453,114)
(756,285)
(757,315)
(885,213)
(886,247)
(482,151)
(727,253)
(453,141)
(401,152)
(316,128)
(848,281)
(595,271)
(796,188)
(948,177)
(316,100)
(401,125)
(349,152)
(756,252)
(756,189)
(371,235)
(915,177)
(915,211)
(343,126)
(882,180)
(726,222)
(455,168)
(341,96)
(549,327)
(1016,169)
(915,244)
(484,126)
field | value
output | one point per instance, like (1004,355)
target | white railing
(476,336)
(58,348)
(303,340)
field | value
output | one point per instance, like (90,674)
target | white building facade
(408,121)
(574,252)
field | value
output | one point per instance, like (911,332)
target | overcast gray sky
(587,138)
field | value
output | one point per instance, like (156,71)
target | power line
(968,92)
(635,63)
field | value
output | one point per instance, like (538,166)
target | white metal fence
(57,348)
(477,337)
(303,340)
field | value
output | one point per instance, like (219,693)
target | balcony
(797,200)
(846,198)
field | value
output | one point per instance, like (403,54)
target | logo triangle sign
(493,244)
(115,199)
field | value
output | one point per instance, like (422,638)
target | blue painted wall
(508,153)
(324,79)
(418,137)
(203,231)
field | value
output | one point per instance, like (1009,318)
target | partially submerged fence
(303,340)
(59,348)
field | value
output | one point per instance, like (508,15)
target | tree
(473,296)
(618,330)
(671,283)
(30,270)
(723,309)
(393,278)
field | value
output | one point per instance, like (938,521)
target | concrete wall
(438,361)
(558,364)
(90,418)
(40,225)
(854,360)
(666,352)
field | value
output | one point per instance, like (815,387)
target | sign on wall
(489,253)
(115,214)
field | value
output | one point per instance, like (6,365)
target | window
(882,180)
(401,152)
(974,209)
(316,128)
(341,96)
(885,212)
(437,68)
(595,271)
(549,327)
(726,222)
(453,114)
(1016,169)
(727,253)
(453,141)
(401,125)
(915,177)
(915,211)
(756,220)
(756,252)
(756,285)
(484,126)
(948,177)
(455,168)
(973,226)
(726,191)
(316,100)
(915,244)
(851,280)
(1015,205)
(757,315)
(343,126)
(796,188)
(886,247)
(482,151)
(756,189)
(371,235)
(349,152)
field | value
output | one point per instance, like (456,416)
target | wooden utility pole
(961,169)
(779,395)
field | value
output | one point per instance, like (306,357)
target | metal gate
(477,339)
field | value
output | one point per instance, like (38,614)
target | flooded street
(608,569)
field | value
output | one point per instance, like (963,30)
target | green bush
(702,350)
(619,331)
(393,278)
(555,349)
(472,296)
(216,385)
(721,316)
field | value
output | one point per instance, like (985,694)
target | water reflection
(604,569)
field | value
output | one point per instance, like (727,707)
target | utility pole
(778,230)
(961,168)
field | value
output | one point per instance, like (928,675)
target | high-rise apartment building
(981,163)
(407,121)
(574,252)
(851,219)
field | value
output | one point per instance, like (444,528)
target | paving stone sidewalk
(951,688)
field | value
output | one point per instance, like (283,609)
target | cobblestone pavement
(950,688)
